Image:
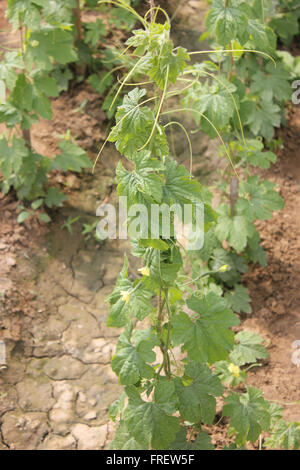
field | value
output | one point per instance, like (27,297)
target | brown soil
(275,290)
(58,385)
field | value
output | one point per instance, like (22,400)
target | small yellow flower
(125,296)
(223,268)
(235,370)
(145,271)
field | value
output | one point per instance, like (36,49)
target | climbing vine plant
(169,398)
(55,46)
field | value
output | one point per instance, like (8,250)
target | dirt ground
(58,385)
(275,290)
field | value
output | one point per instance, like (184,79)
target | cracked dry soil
(58,385)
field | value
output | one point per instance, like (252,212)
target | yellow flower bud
(235,370)
(223,268)
(125,296)
(145,271)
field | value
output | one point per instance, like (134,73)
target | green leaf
(210,243)
(164,267)
(45,218)
(248,349)
(2,92)
(54,197)
(202,441)
(123,439)
(72,157)
(28,97)
(122,19)
(235,230)
(10,115)
(165,395)
(117,406)
(179,187)
(249,414)
(226,22)
(262,159)
(130,362)
(214,101)
(151,39)
(22,94)
(224,372)
(62,78)
(122,282)
(252,152)
(59,13)
(100,83)
(25,11)
(208,338)
(285,25)
(236,265)
(138,305)
(133,124)
(149,424)
(261,118)
(46,85)
(8,68)
(53,44)
(261,200)
(255,252)
(238,299)
(168,64)
(32,176)
(23,216)
(41,105)
(141,183)
(284,435)
(197,401)
(260,35)
(36,204)
(12,157)
(95,32)
(274,84)
(156,243)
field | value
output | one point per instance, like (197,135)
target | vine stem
(25,132)
(78,22)
(166,355)
(152,9)
(234,194)
(164,345)
(231,62)
(81,68)
(27,137)
(159,328)
(159,312)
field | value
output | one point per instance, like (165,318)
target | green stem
(231,62)
(159,327)
(159,313)
(166,348)
(234,194)
(27,138)
(25,132)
